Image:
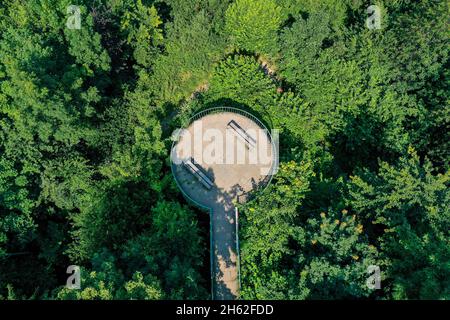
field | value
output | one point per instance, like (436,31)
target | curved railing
(247,114)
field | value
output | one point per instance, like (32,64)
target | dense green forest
(86,117)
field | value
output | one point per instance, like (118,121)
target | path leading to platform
(232,179)
(225,268)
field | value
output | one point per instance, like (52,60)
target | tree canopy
(86,117)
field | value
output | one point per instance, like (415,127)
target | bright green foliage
(252,25)
(241,79)
(349,87)
(298,126)
(100,284)
(142,24)
(276,207)
(338,10)
(86,116)
(142,288)
(263,249)
(171,248)
(81,158)
(106,282)
(114,215)
(299,257)
(194,43)
(350,106)
(410,205)
(336,256)
(50,85)
(66,184)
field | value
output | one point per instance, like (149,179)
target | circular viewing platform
(219,159)
(234,165)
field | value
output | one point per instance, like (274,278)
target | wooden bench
(249,141)
(198,173)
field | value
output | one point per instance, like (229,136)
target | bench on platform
(249,140)
(195,169)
